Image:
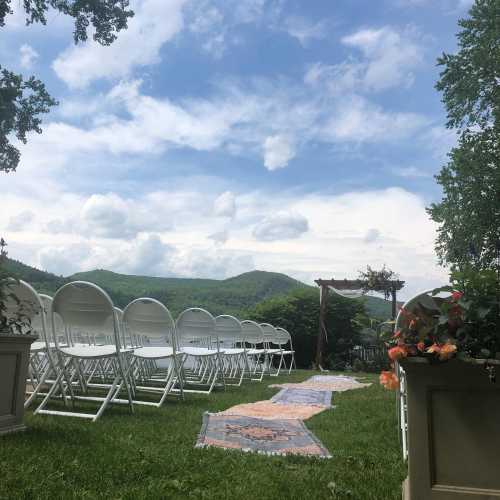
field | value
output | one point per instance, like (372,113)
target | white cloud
(278,151)
(304,30)
(225,204)
(372,235)
(20,221)
(389,58)
(447,5)
(311,235)
(155,23)
(220,237)
(28,56)
(64,259)
(411,172)
(358,120)
(106,215)
(281,226)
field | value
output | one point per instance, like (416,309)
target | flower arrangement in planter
(16,337)
(465,324)
(448,343)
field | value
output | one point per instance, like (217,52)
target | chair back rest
(196,326)
(282,337)
(149,322)
(87,312)
(269,333)
(252,332)
(59,325)
(228,330)
(23,301)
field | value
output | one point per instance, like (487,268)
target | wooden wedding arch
(391,288)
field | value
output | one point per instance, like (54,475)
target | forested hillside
(231,296)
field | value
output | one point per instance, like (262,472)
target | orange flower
(444,351)
(434,349)
(447,351)
(398,352)
(389,380)
(421,346)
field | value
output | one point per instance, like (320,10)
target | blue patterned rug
(271,437)
(303,397)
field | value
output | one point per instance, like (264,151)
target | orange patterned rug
(276,426)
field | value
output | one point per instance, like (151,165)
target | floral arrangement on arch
(463,324)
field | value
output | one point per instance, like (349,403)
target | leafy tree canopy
(470,78)
(469,212)
(22,101)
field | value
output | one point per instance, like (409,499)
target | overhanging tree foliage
(469,213)
(22,101)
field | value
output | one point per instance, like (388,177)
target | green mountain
(230,296)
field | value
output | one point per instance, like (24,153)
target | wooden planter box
(14,359)
(453,431)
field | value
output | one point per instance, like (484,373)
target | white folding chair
(232,346)
(24,300)
(254,337)
(270,338)
(150,321)
(47,359)
(197,340)
(284,338)
(87,312)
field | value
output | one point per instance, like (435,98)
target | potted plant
(449,348)
(15,342)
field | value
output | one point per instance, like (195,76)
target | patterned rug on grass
(335,383)
(275,411)
(271,437)
(298,396)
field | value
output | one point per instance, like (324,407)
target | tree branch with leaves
(24,101)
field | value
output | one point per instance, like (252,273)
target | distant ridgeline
(230,296)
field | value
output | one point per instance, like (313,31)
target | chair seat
(273,351)
(233,351)
(198,351)
(288,352)
(154,352)
(92,351)
(253,352)
(38,346)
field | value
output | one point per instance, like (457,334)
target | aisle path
(275,426)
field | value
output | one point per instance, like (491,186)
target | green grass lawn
(151,454)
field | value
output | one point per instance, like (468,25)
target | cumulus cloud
(281,226)
(106,215)
(411,172)
(220,237)
(155,23)
(388,59)
(306,236)
(359,120)
(278,151)
(65,259)
(304,30)
(28,56)
(151,256)
(20,221)
(372,235)
(225,204)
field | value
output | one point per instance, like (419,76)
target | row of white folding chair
(79,359)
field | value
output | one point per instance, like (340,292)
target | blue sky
(217,137)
